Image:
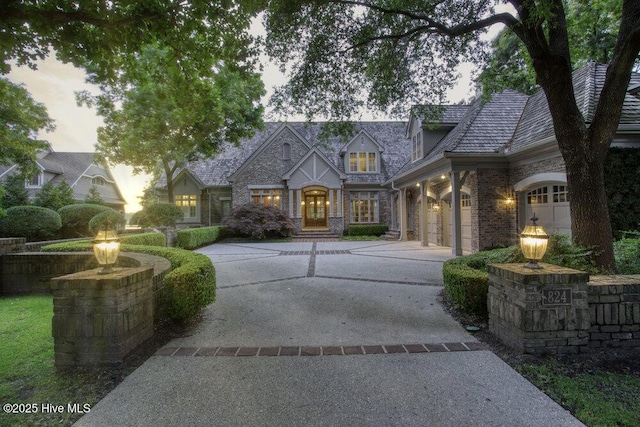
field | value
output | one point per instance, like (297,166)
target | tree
(94,196)
(16,193)
(103,37)
(54,196)
(398,53)
(591,25)
(21,118)
(168,111)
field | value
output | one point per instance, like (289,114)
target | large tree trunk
(590,225)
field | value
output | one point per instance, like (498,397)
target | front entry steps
(315,236)
(391,235)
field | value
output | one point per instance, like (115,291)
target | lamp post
(106,247)
(533,242)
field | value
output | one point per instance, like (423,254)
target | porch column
(298,203)
(402,212)
(424,237)
(456,226)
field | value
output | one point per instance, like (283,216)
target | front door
(315,212)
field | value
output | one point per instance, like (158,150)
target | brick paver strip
(395,349)
(329,350)
(415,348)
(269,351)
(289,351)
(310,351)
(353,349)
(248,351)
(186,351)
(332,351)
(476,346)
(373,349)
(207,351)
(455,346)
(166,351)
(227,351)
(435,347)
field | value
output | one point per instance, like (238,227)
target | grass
(27,373)
(595,397)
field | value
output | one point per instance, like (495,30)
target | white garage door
(432,221)
(550,203)
(447,220)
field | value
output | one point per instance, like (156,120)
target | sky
(54,84)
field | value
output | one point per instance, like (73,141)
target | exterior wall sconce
(533,242)
(106,248)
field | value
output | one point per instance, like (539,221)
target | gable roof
(389,136)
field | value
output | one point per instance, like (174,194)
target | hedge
(193,238)
(188,287)
(367,230)
(145,239)
(35,223)
(75,219)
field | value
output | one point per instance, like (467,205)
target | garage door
(550,203)
(465,216)
(432,221)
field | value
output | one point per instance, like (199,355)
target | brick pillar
(99,319)
(539,311)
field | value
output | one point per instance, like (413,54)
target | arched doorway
(314,208)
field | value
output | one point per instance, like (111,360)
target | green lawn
(27,374)
(595,397)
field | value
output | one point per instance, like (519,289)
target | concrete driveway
(327,333)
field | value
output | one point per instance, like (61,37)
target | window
(465,200)
(364,207)
(35,181)
(363,162)
(98,180)
(539,195)
(286,151)
(416,142)
(560,194)
(225,207)
(269,196)
(188,203)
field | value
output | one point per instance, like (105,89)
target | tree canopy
(103,37)
(389,54)
(167,110)
(591,27)
(21,118)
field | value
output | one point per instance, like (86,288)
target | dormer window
(35,181)
(416,141)
(363,162)
(98,180)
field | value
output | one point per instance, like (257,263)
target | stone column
(539,311)
(99,319)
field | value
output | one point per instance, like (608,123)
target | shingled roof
(214,172)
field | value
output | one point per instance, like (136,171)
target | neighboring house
(79,170)
(469,180)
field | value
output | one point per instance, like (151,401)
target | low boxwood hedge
(193,238)
(146,239)
(367,230)
(188,287)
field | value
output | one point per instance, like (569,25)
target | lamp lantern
(533,242)
(106,247)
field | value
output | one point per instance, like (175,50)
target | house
(463,176)
(79,170)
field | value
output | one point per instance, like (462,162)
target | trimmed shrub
(162,214)
(467,287)
(367,230)
(258,221)
(627,253)
(196,237)
(75,219)
(188,288)
(107,220)
(560,251)
(145,239)
(35,223)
